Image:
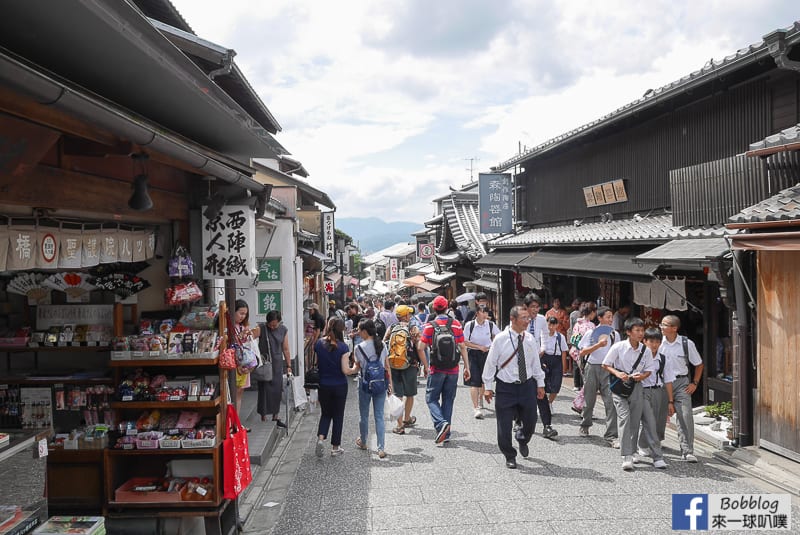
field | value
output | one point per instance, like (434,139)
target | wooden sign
(269,300)
(50,315)
(588,196)
(269,270)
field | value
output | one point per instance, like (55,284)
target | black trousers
(332,400)
(514,401)
(543,405)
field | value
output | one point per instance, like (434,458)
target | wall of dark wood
(643,153)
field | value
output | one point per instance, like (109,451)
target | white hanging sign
(328,237)
(229,244)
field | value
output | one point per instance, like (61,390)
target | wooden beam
(48,187)
(23,142)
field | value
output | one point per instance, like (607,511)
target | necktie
(523,372)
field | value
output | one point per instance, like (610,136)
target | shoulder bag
(625,388)
(311,379)
(264,371)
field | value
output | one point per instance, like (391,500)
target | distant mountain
(373,234)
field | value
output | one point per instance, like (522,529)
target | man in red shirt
(446,343)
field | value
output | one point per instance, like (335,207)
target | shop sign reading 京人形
(229,244)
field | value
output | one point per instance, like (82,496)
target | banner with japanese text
(495,202)
(229,244)
(328,237)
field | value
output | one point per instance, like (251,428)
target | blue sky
(384,100)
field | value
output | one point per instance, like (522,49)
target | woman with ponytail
(371,348)
(333,362)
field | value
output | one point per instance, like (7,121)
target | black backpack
(380,327)
(444,351)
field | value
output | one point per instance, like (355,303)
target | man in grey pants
(596,378)
(681,351)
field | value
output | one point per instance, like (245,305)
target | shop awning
(416,280)
(695,252)
(428,286)
(594,265)
(312,252)
(503,259)
(489,283)
(440,278)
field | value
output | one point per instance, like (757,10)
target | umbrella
(426,296)
(463,298)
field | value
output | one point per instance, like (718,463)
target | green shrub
(723,408)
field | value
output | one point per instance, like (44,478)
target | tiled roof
(461,214)
(785,206)
(712,69)
(392,250)
(653,229)
(790,136)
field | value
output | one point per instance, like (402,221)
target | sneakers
(336,451)
(584,431)
(636,458)
(627,463)
(479,414)
(644,452)
(549,432)
(614,443)
(381,454)
(689,458)
(442,434)
(660,464)
(318,448)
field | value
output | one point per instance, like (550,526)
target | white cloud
(355,83)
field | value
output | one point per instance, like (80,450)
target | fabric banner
(658,294)
(90,255)
(3,249)
(125,239)
(150,246)
(641,293)
(22,249)
(109,246)
(71,248)
(47,247)
(139,239)
(676,293)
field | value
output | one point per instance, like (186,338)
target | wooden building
(631,207)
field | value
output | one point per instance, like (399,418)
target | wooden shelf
(52,348)
(51,380)
(165,404)
(160,505)
(175,451)
(161,362)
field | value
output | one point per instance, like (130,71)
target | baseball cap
(440,303)
(404,310)
(331,302)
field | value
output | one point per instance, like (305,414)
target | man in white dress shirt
(627,361)
(595,378)
(681,351)
(511,368)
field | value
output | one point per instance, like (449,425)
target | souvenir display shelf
(130,472)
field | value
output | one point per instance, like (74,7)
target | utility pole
(471,162)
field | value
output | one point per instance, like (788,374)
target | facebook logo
(690,511)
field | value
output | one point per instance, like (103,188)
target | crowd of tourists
(644,376)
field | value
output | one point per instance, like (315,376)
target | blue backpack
(373,376)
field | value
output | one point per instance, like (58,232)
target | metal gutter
(50,92)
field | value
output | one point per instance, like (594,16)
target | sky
(387,103)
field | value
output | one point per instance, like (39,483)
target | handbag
(227,359)
(246,358)
(236,474)
(264,371)
(311,381)
(625,388)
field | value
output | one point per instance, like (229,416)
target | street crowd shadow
(408,455)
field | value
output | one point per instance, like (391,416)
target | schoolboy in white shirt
(657,391)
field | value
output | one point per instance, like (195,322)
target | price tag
(42,448)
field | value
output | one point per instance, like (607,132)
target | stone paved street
(569,485)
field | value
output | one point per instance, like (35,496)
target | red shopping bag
(235,457)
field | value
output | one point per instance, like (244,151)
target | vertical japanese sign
(393,272)
(229,244)
(269,270)
(328,237)
(494,202)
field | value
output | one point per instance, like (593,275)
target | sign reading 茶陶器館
(229,244)
(269,300)
(495,202)
(269,270)
(328,237)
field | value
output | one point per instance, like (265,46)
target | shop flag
(229,244)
